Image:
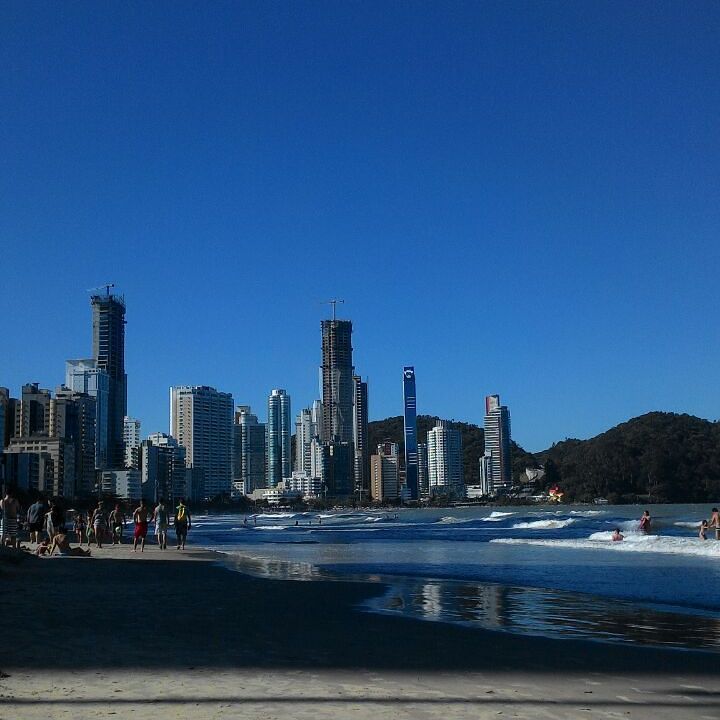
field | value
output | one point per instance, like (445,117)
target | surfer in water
(645,522)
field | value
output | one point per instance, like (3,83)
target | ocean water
(550,571)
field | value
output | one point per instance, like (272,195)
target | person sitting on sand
(140,517)
(182,523)
(703,530)
(715,522)
(617,535)
(645,522)
(62,545)
(42,548)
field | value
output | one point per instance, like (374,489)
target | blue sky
(515,197)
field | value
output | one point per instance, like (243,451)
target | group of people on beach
(46,525)
(645,525)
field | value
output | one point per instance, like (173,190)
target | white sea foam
(544,524)
(638,543)
(693,525)
(497,516)
(450,519)
(269,527)
(587,513)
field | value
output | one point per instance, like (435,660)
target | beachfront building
(52,471)
(124,484)
(201,420)
(249,451)
(410,427)
(305,430)
(445,463)
(385,473)
(337,471)
(278,437)
(301,482)
(108,325)
(497,446)
(423,481)
(32,412)
(131,439)
(162,468)
(337,381)
(84,376)
(72,417)
(361,467)
(7,417)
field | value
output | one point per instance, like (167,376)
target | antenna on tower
(333,302)
(106,287)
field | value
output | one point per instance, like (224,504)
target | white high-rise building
(131,439)
(305,431)
(201,420)
(445,463)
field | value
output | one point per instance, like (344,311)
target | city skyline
(518,201)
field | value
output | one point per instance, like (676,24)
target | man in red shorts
(140,516)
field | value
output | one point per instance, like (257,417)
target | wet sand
(175,634)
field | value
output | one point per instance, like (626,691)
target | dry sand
(174,634)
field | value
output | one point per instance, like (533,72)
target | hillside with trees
(657,457)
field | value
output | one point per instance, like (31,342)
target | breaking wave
(543,524)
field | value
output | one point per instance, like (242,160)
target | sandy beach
(176,634)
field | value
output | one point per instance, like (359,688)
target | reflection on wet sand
(535,611)
(550,613)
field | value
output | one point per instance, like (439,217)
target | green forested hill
(659,457)
(663,456)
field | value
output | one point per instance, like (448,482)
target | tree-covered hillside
(663,457)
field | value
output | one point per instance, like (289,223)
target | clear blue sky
(515,197)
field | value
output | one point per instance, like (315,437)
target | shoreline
(84,634)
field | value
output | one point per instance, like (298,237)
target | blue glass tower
(411,449)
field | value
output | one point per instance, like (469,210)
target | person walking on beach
(10,508)
(99,524)
(645,522)
(117,523)
(35,518)
(140,517)
(53,520)
(715,522)
(160,516)
(182,523)
(79,527)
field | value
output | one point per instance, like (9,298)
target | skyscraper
(423,481)
(337,381)
(411,449)
(278,438)
(108,312)
(497,445)
(305,431)
(360,435)
(32,413)
(445,463)
(84,376)
(249,450)
(162,468)
(201,420)
(131,439)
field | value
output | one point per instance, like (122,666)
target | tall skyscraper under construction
(337,381)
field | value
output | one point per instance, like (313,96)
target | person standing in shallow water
(645,522)
(182,523)
(715,522)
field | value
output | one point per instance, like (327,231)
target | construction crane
(106,287)
(334,303)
